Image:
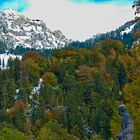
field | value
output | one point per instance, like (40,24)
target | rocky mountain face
(18,30)
(125,33)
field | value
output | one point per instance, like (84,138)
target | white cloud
(79,21)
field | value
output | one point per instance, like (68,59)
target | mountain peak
(33,33)
(9,13)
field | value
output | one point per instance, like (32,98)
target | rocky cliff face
(18,30)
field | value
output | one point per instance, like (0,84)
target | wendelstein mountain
(74,93)
(19,34)
(18,30)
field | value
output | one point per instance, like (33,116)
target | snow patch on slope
(5,57)
(128,30)
(37,88)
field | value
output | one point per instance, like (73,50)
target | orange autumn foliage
(17,105)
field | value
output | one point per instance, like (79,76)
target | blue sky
(120,2)
(77,19)
(18,5)
(22,5)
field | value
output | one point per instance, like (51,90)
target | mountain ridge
(19,30)
(124,33)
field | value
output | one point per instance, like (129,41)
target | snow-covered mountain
(18,30)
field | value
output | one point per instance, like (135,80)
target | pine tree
(11,90)
(122,75)
(4,93)
(3,63)
(0,62)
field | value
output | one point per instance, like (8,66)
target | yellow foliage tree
(50,78)
(53,131)
(132,100)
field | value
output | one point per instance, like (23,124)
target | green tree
(53,131)
(4,94)
(50,78)
(122,75)
(12,134)
(31,71)
(11,90)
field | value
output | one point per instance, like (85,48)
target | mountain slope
(125,33)
(18,30)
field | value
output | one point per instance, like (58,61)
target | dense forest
(72,95)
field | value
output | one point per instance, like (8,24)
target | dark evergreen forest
(71,95)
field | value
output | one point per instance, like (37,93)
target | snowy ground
(5,57)
(128,30)
(37,88)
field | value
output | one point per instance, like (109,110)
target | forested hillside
(72,95)
(125,33)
